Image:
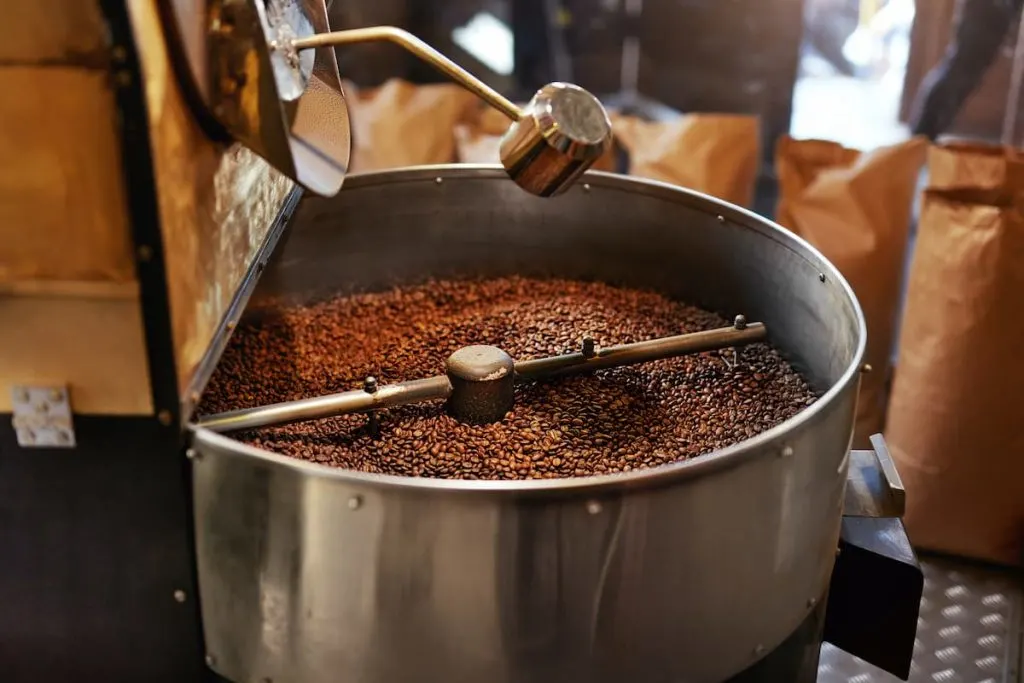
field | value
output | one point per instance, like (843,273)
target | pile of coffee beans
(614,420)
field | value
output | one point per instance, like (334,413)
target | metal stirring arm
(479,383)
(561,132)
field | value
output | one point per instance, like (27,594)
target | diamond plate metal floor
(969,630)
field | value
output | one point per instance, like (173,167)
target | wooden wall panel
(53,32)
(62,203)
(93,345)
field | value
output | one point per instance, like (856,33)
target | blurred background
(843,70)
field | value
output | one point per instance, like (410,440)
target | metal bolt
(211,660)
(370,385)
(588,348)
(355,502)
(721,218)
(145,253)
(593,507)
(821,276)
(192,454)
(866,368)
(586,187)
(787,452)
(179,595)
(165,417)
(438,180)
(740,322)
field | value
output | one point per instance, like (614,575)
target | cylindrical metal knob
(483,384)
(563,131)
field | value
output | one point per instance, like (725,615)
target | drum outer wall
(689,572)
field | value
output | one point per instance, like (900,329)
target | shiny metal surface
(288,108)
(385,396)
(873,487)
(969,630)
(487,396)
(419,48)
(563,130)
(690,572)
(640,352)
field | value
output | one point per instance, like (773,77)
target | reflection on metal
(420,49)
(874,487)
(313,574)
(288,108)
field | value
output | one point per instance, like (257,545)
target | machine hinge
(42,417)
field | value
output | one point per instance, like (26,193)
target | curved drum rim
(664,475)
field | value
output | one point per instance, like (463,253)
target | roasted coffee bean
(616,420)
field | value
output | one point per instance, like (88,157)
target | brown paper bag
(401,124)
(478,140)
(956,417)
(855,208)
(717,154)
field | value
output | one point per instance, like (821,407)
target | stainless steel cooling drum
(688,572)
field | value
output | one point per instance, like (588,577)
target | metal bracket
(873,486)
(42,417)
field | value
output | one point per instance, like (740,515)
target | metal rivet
(211,660)
(787,452)
(165,417)
(593,507)
(438,180)
(355,502)
(866,368)
(145,253)
(179,595)
(821,276)
(192,454)
(721,218)
(811,602)
(586,187)
(740,322)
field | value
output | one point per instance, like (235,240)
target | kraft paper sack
(956,415)
(717,154)
(855,208)
(401,124)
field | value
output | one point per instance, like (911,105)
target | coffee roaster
(143,542)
